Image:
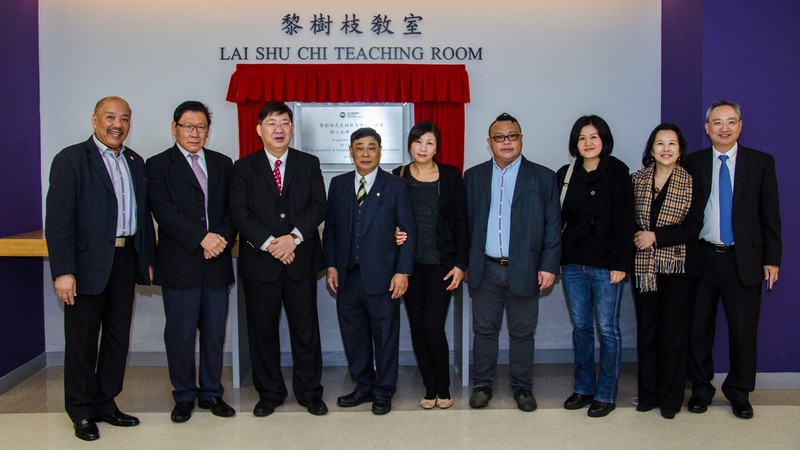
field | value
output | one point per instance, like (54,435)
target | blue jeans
(591,297)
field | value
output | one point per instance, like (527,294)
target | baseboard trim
(22,373)
(764,380)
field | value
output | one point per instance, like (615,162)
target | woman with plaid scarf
(669,217)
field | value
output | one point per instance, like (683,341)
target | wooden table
(31,243)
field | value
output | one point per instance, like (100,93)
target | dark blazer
(756,211)
(451,227)
(81,221)
(535,241)
(258,212)
(685,232)
(389,206)
(179,208)
(598,215)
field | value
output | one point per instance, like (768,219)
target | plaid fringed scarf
(672,259)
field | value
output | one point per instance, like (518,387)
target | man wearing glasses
(514,221)
(277,202)
(367,271)
(189,199)
(741,246)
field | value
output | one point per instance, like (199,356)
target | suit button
(202,219)
(283,216)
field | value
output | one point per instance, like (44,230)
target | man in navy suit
(100,242)
(741,239)
(367,271)
(189,199)
(514,220)
(277,202)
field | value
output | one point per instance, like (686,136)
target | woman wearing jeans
(596,251)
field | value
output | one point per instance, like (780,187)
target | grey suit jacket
(756,210)
(81,219)
(535,241)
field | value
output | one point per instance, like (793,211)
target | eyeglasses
(729,122)
(273,124)
(500,138)
(362,150)
(202,129)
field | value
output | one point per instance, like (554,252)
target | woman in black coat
(669,216)
(439,202)
(597,218)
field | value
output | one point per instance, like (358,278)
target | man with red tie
(277,202)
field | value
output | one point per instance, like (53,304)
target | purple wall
(750,54)
(22,317)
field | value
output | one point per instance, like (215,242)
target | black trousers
(370,325)
(93,378)
(427,301)
(263,302)
(662,326)
(742,305)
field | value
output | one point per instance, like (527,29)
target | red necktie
(277,173)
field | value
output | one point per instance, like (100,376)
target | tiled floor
(31,416)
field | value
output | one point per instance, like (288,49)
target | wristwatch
(297,239)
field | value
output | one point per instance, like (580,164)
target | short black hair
(647,156)
(716,105)
(505,117)
(193,106)
(364,132)
(271,108)
(603,131)
(420,128)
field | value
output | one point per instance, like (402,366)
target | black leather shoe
(119,419)
(525,400)
(87,430)
(600,409)
(644,407)
(217,406)
(381,405)
(266,407)
(698,404)
(577,401)
(182,412)
(480,397)
(742,409)
(354,398)
(315,406)
(668,414)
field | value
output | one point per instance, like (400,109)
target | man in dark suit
(189,199)
(741,239)
(367,271)
(514,221)
(277,202)
(100,241)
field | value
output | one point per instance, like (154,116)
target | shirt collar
(731,154)
(272,158)
(103,147)
(186,153)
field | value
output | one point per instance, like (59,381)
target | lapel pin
(378,194)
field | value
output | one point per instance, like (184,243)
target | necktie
(725,202)
(201,178)
(277,173)
(362,192)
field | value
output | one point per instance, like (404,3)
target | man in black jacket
(189,198)
(100,242)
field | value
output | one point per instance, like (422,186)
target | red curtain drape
(438,92)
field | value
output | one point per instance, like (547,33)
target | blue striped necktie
(725,202)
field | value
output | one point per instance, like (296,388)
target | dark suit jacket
(81,220)
(756,211)
(178,206)
(389,206)
(451,226)
(258,212)
(535,241)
